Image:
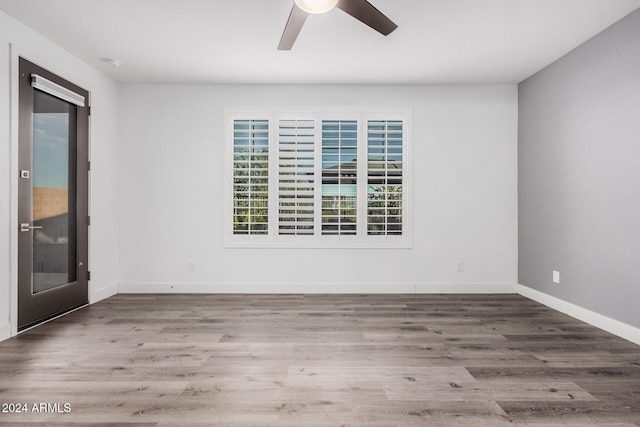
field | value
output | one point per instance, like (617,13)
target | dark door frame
(75,294)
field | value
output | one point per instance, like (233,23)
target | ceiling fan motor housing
(316,6)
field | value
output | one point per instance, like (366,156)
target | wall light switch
(192,265)
(460,266)
(556,276)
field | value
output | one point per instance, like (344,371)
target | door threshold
(54,317)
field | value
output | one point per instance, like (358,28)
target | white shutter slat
(296,163)
(296,175)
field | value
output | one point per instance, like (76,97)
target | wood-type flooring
(319,360)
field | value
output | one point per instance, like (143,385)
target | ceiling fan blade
(293,27)
(365,12)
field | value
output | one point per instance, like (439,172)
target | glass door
(53,192)
(52,245)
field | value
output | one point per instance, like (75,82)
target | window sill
(334,244)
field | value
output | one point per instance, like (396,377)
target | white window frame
(275,240)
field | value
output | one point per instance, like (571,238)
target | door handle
(26,227)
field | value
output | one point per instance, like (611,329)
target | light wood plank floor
(320,360)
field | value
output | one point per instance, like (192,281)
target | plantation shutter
(250,176)
(296,177)
(314,179)
(339,176)
(385,177)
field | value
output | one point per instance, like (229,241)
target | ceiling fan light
(316,6)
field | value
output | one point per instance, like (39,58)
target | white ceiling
(234,41)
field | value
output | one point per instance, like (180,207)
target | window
(309,179)
(384,177)
(339,177)
(250,176)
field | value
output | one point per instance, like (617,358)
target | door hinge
(88,220)
(88,110)
(88,275)
(89,165)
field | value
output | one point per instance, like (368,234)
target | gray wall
(579,175)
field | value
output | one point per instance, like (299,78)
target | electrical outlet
(192,265)
(556,276)
(460,266)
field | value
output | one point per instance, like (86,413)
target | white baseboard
(608,324)
(466,288)
(103,293)
(264,288)
(5,331)
(316,288)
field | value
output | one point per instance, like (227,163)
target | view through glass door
(53,221)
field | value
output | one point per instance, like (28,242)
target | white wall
(104,155)
(464,193)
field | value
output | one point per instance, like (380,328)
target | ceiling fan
(362,10)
